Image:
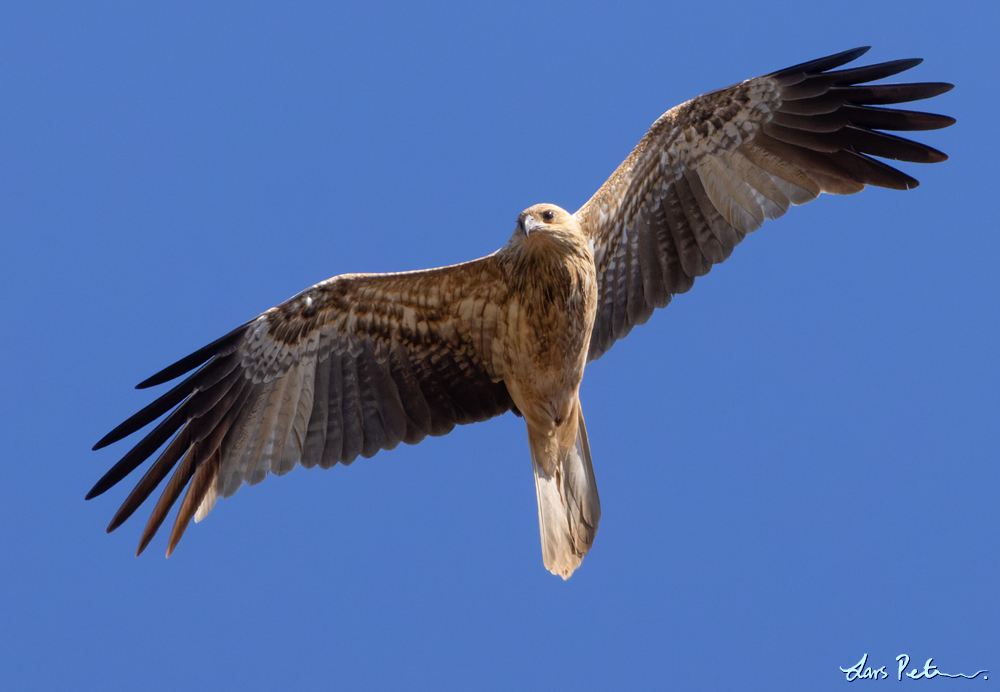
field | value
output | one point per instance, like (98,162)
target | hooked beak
(527,224)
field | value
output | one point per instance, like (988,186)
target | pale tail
(568,506)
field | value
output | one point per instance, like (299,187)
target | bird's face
(545,228)
(543,218)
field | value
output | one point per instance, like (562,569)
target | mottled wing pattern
(713,169)
(350,366)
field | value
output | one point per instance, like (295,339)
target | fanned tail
(569,509)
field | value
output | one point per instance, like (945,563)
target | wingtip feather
(190,362)
(104,442)
(100,487)
(828,62)
(144,542)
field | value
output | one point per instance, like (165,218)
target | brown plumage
(362,362)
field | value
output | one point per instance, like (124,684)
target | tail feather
(569,509)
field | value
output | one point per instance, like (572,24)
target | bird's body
(550,311)
(361,362)
(551,303)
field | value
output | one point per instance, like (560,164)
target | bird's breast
(549,320)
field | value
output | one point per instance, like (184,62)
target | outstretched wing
(350,366)
(713,169)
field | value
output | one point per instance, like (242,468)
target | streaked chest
(550,315)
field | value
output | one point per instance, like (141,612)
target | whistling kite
(362,362)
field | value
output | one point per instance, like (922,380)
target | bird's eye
(548,215)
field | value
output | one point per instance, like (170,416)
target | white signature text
(862,671)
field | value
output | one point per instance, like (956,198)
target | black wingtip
(107,481)
(846,55)
(104,441)
(192,361)
(826,63)
(100,487)
(150,412)
(935,156)
(120,516)
(171,371)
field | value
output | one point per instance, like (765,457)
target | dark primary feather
(824,64)
(712,170)
(221,346)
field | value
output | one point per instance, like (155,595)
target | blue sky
(797,459)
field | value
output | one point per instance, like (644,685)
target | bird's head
(546,218)
(545,228)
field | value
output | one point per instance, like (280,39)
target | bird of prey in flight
(362,362)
